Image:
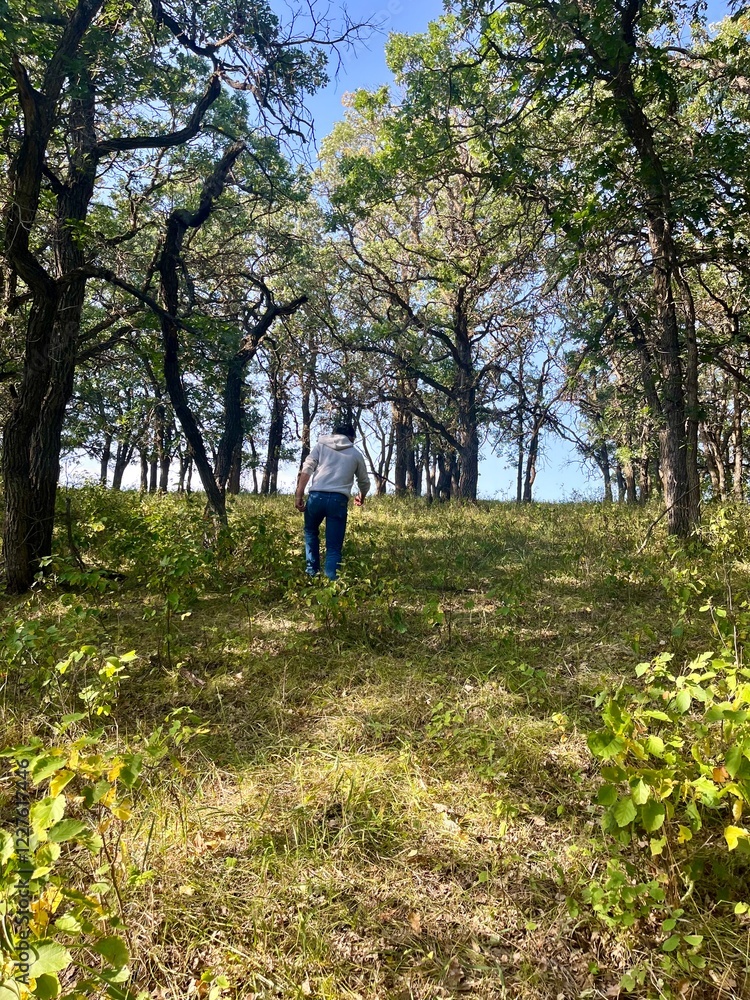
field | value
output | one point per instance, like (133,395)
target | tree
(436,264)
(604,131)
(84,89)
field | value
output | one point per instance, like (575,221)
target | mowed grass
(391,795)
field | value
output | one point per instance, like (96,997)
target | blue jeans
(333,507)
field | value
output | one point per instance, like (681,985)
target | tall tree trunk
(275,440)
(531,460)
(455,472)
(620,480)
(677,443)
(520,430)
(144,471)
(715,462)
(180,220)
(403,435)
(307,419)
(602,460)
(233,421)
(628,472)
(30,463)
(413,471)
(253,461)
(737,445)
(235,471)
(105,459)
(444,478)
(428,484)
(466,406)
(123,456)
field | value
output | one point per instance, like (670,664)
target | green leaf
(624,811)
(46,813)
(671,943)
(657,845)
(694,939)
(733,761)
(654,745)
(9,990)
(605,744)
(50,957)
(44,766)
(68,829)
(682,701)
(68,923)
(652,816)
(607,795)
(640,792)
(130,771)
(47,987)
(6,846)
(114,949)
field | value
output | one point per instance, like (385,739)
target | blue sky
(561,474)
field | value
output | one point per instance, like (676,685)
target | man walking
(331,465)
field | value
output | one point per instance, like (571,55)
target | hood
(337,442)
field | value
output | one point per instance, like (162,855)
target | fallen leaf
(720,775)
(415,922)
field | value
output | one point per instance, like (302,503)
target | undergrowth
(507,754)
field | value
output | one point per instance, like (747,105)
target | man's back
(333,464)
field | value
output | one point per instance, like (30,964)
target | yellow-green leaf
(734,834)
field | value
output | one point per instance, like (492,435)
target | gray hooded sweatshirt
(333,463)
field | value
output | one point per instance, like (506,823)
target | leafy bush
(677,755)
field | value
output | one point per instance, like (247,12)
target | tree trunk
(307,419)
(531,461)
(253,462)
(737,445)
(428,484)
(620,480)
(123,456)
(30,463)
(602,460)
(165,463)
(444,479)
(466,406)
(169,268)
(275,440)
(234,482)
(628,472)
(403,433)
(677,444)
(105,459)
(233,422)
(715,462)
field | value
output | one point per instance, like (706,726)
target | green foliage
(79,821)
(676,752)
(64,879)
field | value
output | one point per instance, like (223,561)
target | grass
(390,794)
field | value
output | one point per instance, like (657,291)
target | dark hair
(346,429)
